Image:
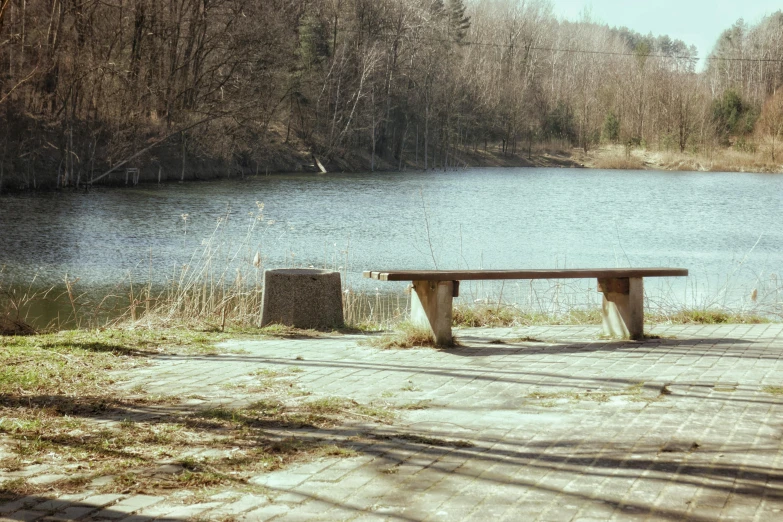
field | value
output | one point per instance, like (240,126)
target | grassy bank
(203,299)
(716,160)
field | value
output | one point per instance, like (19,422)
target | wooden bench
(623,288)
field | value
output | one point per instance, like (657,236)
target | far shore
(604,157)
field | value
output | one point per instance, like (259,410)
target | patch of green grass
(272,379)
(362,327)
(223,414)
(67,362)
(707,316)
(379,412)
(332,450)
(773,390)
(279,331)
(268,373)
(267,407)
(329,405)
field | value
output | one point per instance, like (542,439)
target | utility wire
(477,43)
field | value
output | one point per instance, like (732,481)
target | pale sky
(696,22)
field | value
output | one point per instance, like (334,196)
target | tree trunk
(184,156)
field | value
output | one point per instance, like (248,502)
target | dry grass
(705,316)
(614,159)
(406,335)
(721,160)
(180,450)
(219,288)
(635,392)
(480,316)
(718,160)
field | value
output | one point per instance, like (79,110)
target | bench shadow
(474,346)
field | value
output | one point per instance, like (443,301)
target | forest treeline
(248,85)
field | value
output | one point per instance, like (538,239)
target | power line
(687,57)
(621,53)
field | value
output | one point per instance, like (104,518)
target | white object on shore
(320,166)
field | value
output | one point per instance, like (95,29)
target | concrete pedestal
(431,303)
(623,307)
(302,298)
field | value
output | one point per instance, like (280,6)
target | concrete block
(130,505)
(302,298)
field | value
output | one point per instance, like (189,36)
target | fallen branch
(23,80)
(154,144)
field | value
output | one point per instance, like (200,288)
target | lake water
(725,228)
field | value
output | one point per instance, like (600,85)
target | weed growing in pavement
(546,399)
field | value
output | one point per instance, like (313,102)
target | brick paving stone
(188,512)
(23,516)
(73,513)
(22,503)
(236,508)
(101,500)
(265,513)
(159,509)
(41,480)
(127,506)
(53,505)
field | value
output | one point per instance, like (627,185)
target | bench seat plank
(475,275)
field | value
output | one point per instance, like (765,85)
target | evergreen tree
(459,24)
(611,128)
(313,41)
(437,9)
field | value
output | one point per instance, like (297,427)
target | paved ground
(542,423)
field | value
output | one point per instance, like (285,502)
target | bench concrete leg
(431,303)
(623,307)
